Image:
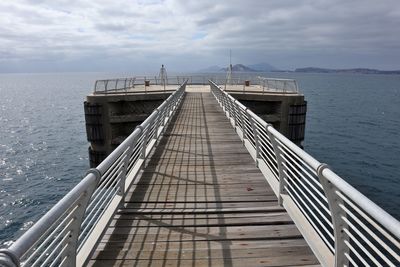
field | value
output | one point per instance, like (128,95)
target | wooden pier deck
(201,202)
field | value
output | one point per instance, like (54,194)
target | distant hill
(356,70)
(210,69)
(259,67)
(262,67)
(239,68)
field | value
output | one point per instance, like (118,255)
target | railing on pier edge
(244,83)
(342,226)
(67,234)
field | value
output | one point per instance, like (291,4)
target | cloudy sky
(104,35)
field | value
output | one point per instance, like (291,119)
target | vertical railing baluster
(243,124)
(235,113)
(337,215)
(279,161)
(256,137)
(145,130)
(228,100)
(95,86)
(71,242)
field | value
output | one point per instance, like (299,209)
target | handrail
(153,83)
(67,234)
(341,225)
(146,83)
(261,84)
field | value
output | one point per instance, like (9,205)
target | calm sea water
(353,124)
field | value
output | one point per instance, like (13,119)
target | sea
(353,125)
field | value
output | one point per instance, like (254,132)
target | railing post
(244,135)
(255,133)
(231,110)
(163,116)
(8,258)
(95,86)
(128,154)
(169,111)
(71,243)
(228,106)
(336,214)
(158,122)
(263,81)
(284,86)
(144,131)
(223,102)
(235,110)
(226,99)
(279,161)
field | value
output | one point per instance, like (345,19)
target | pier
(201,201)
(205,181)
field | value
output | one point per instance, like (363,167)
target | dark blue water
(353,124)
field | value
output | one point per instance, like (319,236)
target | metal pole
(95,87)
(337,215)
(255,134)
(72,242)
(279,161)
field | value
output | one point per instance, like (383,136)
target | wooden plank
(201,201)
(207,244)
(218,253)
(296,260)
(150,221)
(218,210)
(153,234)
(200,216)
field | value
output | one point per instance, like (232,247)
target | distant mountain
(356,70)
(240,68)
(210,69)
(262,67)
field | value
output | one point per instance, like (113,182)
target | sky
(139,36)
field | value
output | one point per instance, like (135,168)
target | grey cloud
(111,27)
(286,33)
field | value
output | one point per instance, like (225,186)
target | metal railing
(278,85)
(153,83)
(342,226)
(146,83)
(67,234)
(261,84)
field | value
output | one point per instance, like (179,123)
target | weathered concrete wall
(111,118)
(286,112)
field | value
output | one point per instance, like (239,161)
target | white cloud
(193,34)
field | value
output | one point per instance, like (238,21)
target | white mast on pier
(163,76)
